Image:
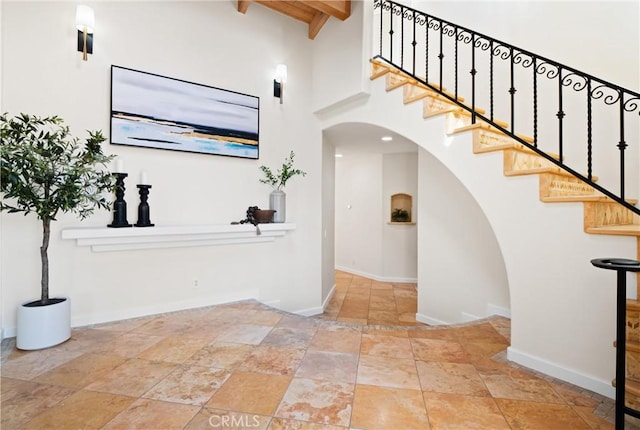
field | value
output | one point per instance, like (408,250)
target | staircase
(602,214)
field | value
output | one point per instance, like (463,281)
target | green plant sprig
(280,178)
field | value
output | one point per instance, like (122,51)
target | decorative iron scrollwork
(632,104)
(608,95)
(549,70)
(575,80)
(501,51)
(523,59)
(482,43)
(464,36)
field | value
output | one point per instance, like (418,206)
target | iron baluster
(622,145)
(381,26)
(512,92)
(426,50)
(402,37)
(589,132)
(391,32)
(441,55)
(455,65)
(535,103)
(560,114)
(414,43)
(473,78)
(491,80)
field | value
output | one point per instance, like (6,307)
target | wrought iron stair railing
(582,118)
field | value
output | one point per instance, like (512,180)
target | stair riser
(600,214)
(562,186)
(437,106)
(488,141)
(412,93)
(633,365)
(517,161)
(395,81)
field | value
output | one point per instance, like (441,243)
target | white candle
(143,178)
(119,165)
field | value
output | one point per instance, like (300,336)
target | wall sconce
(278,81)
(85,23)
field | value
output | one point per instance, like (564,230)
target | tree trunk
(44,258)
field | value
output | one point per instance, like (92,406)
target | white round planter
(43,326)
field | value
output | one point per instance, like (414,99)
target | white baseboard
(465,317)
(430,321)
(273,304)
(498,310)
(318,310)
(332,291)
(399,280)
(144,311)
(552,369)
(310,311)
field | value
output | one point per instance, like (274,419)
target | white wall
(359,216)
(328,219)
(204,42)
(461,268)
(399,242)
(340,58)
(365,242)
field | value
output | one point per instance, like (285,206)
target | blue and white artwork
(158,112)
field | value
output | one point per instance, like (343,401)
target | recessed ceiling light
(338,155)
(387,138)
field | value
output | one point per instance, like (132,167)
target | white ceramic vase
(278,202)
(43,326)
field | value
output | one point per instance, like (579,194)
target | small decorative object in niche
(401,204)
(154,111)
(277,198)
(400,215)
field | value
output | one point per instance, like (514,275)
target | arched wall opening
(454,254)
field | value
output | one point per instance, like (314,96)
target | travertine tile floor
(245,365)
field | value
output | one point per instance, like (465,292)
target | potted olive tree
(46,171)
(277,198)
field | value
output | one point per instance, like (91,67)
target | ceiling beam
(290,8)
(316,24)
(243,5)
(340,9)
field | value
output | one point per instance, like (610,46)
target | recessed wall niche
(401,205)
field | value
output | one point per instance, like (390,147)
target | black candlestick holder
(143,207)
(120,206)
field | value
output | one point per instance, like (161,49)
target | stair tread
(534,171)
(616,230)
(578,198)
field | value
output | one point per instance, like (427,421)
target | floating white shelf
(104,239)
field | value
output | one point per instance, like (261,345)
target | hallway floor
(245,365)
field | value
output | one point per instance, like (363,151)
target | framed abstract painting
(153,111)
